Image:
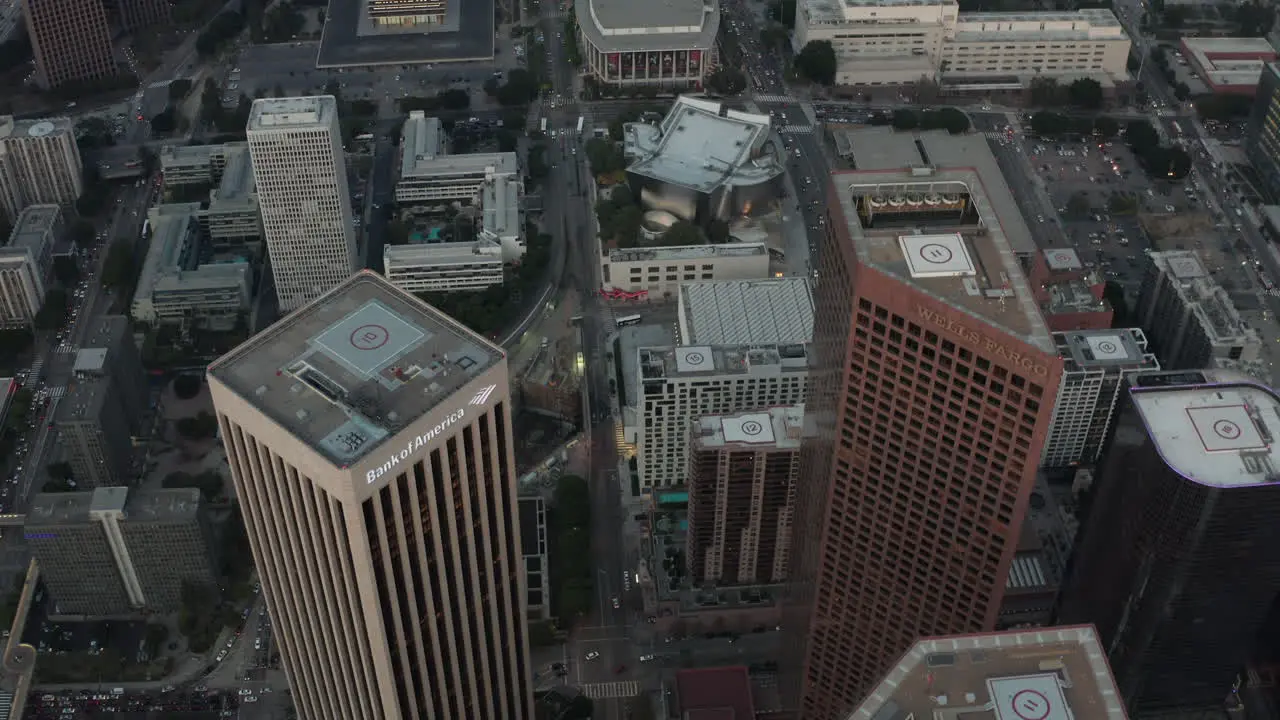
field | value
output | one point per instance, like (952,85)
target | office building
(220,178)
(406,13)
(1185,501)
(715,693)
(903,42)
(11,20)
(369,437)
(179,284)
(70,40)
(1096,365)
(660,271)
(672,45)
(196,165)
(1044,674)
(537,564)
(501,220)
(1228,66)
(430,176)
(935,376)
(703,161)
(1262,137)
(742,478)
(301,175)
(1070,294)
(110,351)
(1188,318)
(676,385)
(94,433)
(25,263)
(116,551)
(134,14)
(39,164)
(444,267)
(740,312)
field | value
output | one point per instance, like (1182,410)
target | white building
(1189,318)
(501,213)
(776,311)
(896,42)
(1096,365)
(429,175)
(667,44)
(25,263)
(443,267)
(301,175)
(174,287)
(676,385)
(232,219)
(39,164)
(661,270)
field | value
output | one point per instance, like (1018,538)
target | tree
(905,119)
(82,232)
(817,62)
(199,427)
(718,232)
(727,81)
(682,233)
(1085,93)
(186,386)
(605,156)
(572,502)
(1106,127)
(208,482)
(1182,92)
(1141,136)
(520,88)
(1046,92)
(178,89)
(1078,205)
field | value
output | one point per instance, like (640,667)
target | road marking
(606,690)
(774,99)
(796,129)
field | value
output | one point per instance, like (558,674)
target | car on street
(593,655)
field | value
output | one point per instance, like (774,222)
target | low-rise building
(1069,294)
(898,42)
(178,285)
(94,436)
(25,262)
(443,267)
(661,270)
(743,312)
(1231,66)
(195,164)
(430,176)
(501,218)
(230,219)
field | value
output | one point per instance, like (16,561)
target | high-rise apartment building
(301,175)
(39,164)
(1054,673)
(134,14)
(1178,561)
(370,441)
(70,39)
(1096,364)
(25,262)
(115,551)
(1262,137)
(1189,318)
(935,376)
(742,480)
(677,385)
(109,351)
(95,433)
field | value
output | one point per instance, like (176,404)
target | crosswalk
(604,690)
(56,391)
(796,129)
(776,99)
(66,350)
(36,366)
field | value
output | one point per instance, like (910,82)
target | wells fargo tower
(369,437)
(932,398)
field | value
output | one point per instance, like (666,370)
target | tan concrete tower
(370,441)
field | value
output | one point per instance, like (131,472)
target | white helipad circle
(1031,705)
(751,427)
(1226,430)
(936,254)
(695,358)
(369,337)
(40,129)
(1106,346)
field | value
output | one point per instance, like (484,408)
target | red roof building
(721,693)
(1230,66)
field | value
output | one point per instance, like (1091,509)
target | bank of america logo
(482,397)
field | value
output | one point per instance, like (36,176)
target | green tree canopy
(1085,93)
(682,232)
(817,62)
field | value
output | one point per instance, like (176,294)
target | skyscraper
(1262,138)
(70,39)
(1178,562)
(39,164)
(301,174)
(932,395)
(369,437)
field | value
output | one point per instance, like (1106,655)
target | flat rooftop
(1229,61)
(618,25)
(475,165)
(74,507)
(773,311)
(966,260)
(1093,349)
(702,145)
(353,367)
(1208,300)
(33,229)
(292,113)
(467,36)
(686,252)
(1055,673)
(1220,432)
(163,505)
(83,402)
(778,428)
(716,693)
(699,360)
(34,127)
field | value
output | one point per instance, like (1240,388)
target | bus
(626,320)
(544,126)
(580,119)
(146,227)
(1176,128)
